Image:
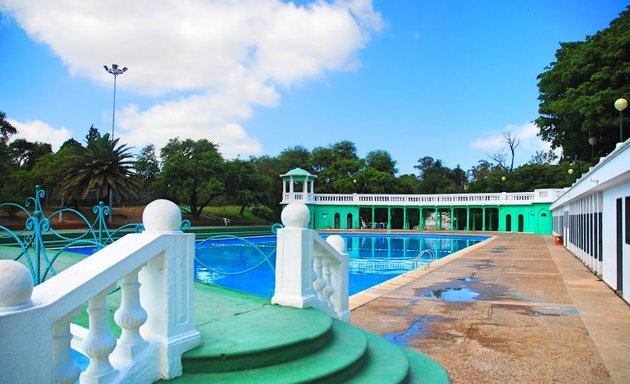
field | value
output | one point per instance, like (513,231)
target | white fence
(154,270)
(453,199)
(310,272)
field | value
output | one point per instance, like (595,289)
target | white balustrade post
(339,278)
(294,259)
(166,289)
(129,317)
(26,337)
(65,369)
(99,342)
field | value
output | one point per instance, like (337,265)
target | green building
(505,212)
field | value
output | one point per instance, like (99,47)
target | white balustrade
(310,272)
(453,199)
(154,269)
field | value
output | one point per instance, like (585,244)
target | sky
(415,78)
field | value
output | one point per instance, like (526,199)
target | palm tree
(102,167)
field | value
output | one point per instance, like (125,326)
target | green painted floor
(245,339)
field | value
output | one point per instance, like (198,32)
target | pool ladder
(418,258)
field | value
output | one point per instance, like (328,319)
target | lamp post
(620,105)
(114,70)
(503,179)
(592,141)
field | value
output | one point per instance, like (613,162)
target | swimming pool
(374,258)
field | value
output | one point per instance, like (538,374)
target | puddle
(469,279)
(554,311)
(417,329)
(452,294)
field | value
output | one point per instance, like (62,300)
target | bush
(264,212)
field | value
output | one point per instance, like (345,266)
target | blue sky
(415,78)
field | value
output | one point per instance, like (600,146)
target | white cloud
(209,61)
(37,130)
(526,133)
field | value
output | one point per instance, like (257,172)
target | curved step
(247,332)
(336,362)
(385,363)
(424,370)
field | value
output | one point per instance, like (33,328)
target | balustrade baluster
(328,289)
(99,342)
(318,282)
(129,317)
(66,370)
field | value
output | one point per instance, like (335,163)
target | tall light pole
(620,105)
(114,70)
(503,179)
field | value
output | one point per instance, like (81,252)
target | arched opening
(337,224)
(508,223)
(521,223)
(349,221)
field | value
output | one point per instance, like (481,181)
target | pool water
(374,258)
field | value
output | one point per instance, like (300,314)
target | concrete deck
(515,309)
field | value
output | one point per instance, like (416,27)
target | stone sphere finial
(337,242)
(295,215)
(16,286)
(161,216)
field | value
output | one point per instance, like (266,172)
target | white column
(166,289)
(294,259)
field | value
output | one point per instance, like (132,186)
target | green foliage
(192,171)
(102,167)
(577,91)
(264,212)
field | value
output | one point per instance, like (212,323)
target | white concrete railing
(452,199)
(310,272)
(154,269)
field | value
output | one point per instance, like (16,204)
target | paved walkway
(515,309)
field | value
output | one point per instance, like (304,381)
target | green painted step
(263,336)
(248,340)
(341,357)
(425,370)
(385,363)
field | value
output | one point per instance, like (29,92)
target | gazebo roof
(299,172)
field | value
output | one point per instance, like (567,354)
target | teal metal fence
(39,244)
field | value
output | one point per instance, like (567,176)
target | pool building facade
(504,212)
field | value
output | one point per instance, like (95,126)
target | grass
(233,211)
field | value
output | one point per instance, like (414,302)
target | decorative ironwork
(38,231)
(265,256)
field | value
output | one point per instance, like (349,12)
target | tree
(245,186)
(500,157)
(147,168)
(192,171)
(93,134)
(577,91)
(24,154)
(434,177)
(381,161)
(103,167)
(6,129)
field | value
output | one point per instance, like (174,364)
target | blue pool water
(374,258)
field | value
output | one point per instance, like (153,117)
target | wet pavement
(514,309)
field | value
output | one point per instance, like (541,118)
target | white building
(593,218)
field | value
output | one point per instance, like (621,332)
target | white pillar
(166,289)
(294,260)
